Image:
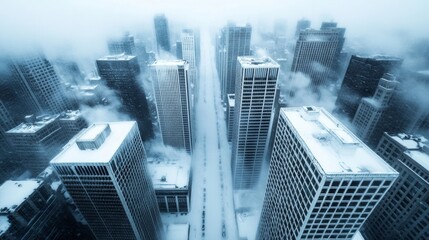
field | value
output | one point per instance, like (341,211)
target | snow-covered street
(212,214)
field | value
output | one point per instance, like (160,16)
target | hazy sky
(79,28)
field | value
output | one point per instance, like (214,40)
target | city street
(212,214)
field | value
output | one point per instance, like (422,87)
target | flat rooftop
(257,62)
(415,147)
(70,115)
(14,193)
(231,100)
(118,57)
(32,127)
(169,173)
(72,154)
(169,63)
(177,231)
(335,148)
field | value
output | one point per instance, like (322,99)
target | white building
(323,181)
(255,91)
(370,109)
(172,95)
(105,172)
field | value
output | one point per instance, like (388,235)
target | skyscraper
(255,91)
(161,32)
(361,80)
(6,123)
(237,43)
(230,116)
(39,85)
(189,54)
(316,54)
(105,172)
(301,25)
(37,141)
(370,109)
(404,211)
(123,45)
(121,73)
(323,182)
(172,93)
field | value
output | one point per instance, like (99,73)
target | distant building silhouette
(172,94)
(317,53)
(123,45)
(105,172)
(361,80)
(235,41)
(161,32)
(370,109)
(121,73)
(255,91)
(404,212)
(318,186)
(301,25)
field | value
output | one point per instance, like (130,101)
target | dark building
(301,25)
(179,54)
(404,211)
(123,45)
(408,108)
(162,35)
(361,80)
(121,74)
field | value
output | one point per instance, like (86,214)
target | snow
(247,213)
(420,157)
(33,127)
(231,100)
(257,62)
(13,193)
(371,101)
(118,57)
(55,185)
(72,154)
(93,132)
(4,224)
(358,236)
(333,146)
(169,173)
(408,141)
(168,63)
(177,231)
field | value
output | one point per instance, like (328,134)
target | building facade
(361,80)
(121,73)
(230,116)
(370,109)
(316,54)
(254,100)
(105,172)
(172,94)
(404,212)
(318,187)
(123,45)
(301,25)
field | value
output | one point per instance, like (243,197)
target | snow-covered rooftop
(333,146)
(358,236)
(73,154)
(13,193)
(33,127)
(257,62)
(169,173)
(4,224)
(177,232)
(416,147)
(70,115)
(169,63)
(119,57)
(231,100)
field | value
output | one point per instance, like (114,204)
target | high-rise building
(404,212)
(37,141)
(361,80)
(104,170)
(255,91)
(230,115)
(221,59)
(123,45)
(179,54)
(121,73)
(317,53)
(71,123)
(189,54)
(370,109)
(323,181)
(301,25)
(172,95)
(6,123)
(161,32)
(237,43)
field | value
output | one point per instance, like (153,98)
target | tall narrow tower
(255,90)
(237,43)
(104,170)
(323,182)
(171,88)
(161,32)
